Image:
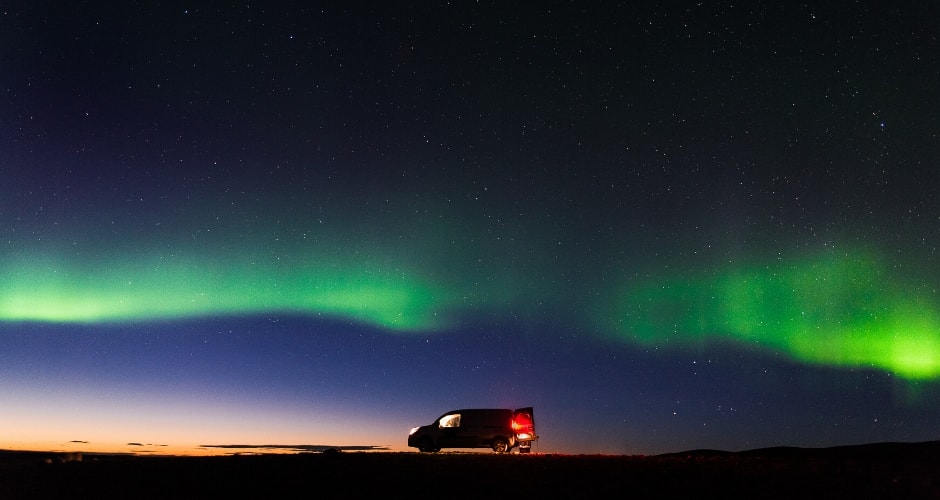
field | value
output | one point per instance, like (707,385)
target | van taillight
(524,425)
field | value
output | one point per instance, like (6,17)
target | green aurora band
(55,291)
(839,310)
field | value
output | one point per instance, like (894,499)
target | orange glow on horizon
(75,424)
(144,449)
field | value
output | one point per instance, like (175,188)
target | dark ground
(888,470)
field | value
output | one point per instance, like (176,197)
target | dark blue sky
(665,226)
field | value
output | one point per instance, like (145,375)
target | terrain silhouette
(883,470)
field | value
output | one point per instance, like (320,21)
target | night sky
(665,225)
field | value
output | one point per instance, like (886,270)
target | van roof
(481,410)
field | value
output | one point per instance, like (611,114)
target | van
(499,429)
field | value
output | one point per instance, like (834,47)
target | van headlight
(413,430)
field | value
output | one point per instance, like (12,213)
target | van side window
(452,420)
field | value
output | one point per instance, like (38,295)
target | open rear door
(523,424)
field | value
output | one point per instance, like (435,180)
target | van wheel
(427,446)
(500,445)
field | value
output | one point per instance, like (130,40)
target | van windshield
(452,420)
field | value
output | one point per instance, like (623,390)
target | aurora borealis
(840,310)
(197,288)
(662,226)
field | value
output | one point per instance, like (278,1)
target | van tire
(427,446)
(500,445)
